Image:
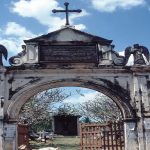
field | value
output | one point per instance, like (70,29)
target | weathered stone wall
(127,86)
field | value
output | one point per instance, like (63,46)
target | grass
(64,143)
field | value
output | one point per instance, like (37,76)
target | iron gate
(102,136)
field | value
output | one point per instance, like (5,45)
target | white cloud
(112,5)
(14,29)
(42,11)
(80,99)
(80,26)
(11,44)
(75,16)
(84,13)
(13,35)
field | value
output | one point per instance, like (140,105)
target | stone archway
(69,57)
(21,97)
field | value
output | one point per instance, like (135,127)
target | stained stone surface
(69,57)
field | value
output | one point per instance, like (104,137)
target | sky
(79,95)
(126,22)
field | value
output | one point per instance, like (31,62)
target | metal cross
(67,11)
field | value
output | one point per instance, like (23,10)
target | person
(44,136)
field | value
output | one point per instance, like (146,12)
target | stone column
(147,132)
(1,135)
(2,100)
(130,135)
(141,102)
(1,121)
(10,136)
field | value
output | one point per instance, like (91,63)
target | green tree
(38,110)
(67,109)
(100,109)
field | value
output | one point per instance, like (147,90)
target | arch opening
(67,131)
(21,97)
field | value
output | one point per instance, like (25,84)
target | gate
(23,138)
(102,136)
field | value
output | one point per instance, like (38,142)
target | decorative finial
(138,52)
(67,11)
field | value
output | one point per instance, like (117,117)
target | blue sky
(124,21)
(78,95)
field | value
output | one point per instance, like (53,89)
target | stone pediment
(67,47)
(68,34)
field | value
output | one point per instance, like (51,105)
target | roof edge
(94,37)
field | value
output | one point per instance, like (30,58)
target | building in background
(67,125)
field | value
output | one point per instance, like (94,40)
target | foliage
(85,120)
(67,109)
(38,110)
(100,109)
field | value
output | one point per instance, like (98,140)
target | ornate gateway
(69,57)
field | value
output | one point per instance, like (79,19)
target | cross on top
(67,11)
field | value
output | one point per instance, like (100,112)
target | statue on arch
(3,53)
(139,52)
